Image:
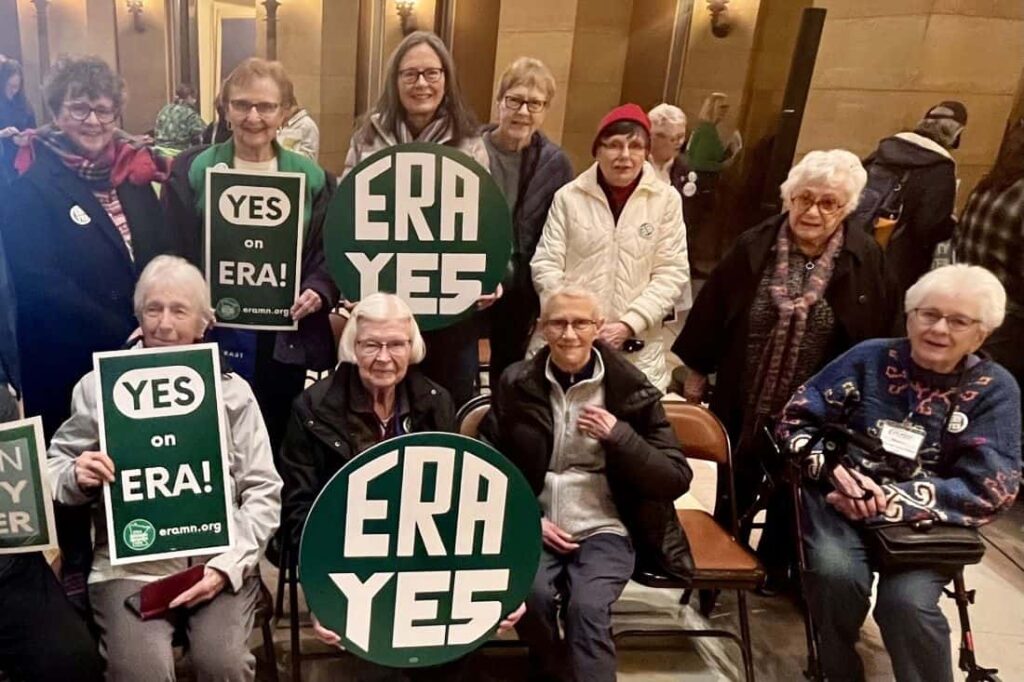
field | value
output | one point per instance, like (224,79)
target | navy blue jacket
(73,282)
(8,343)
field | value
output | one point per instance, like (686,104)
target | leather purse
(925,544)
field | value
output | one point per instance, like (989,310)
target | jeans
(585,583)
(838,587)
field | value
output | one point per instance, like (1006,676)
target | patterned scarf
(126,159)
(777,366)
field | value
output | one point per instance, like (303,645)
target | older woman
(255,96)
(172,303)
(618,230)
(78,226)
(421,102)
(529,168)
(792,294)
(958,464)
(668,130)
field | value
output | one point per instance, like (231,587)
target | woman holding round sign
(421,102)
(254,97)
(172,303)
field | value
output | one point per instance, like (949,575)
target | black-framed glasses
(410,76)
(559,326)
(372,349)
(828,204)
(956,322)
(244,106)
(80,111)
(513,103)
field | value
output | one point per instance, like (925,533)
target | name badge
(902,440)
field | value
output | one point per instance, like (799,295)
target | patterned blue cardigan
(969,466)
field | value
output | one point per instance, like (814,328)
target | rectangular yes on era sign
(161,423)
(253,233)
(26,502)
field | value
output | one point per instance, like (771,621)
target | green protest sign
(254,225)
(423,221)
(417,548)
(161,423)
(26,501)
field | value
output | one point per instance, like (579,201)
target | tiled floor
(779,652)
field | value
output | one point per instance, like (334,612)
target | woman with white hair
(948,424)
(793,293)
(668,130)
(172,304)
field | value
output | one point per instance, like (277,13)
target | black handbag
(925,544)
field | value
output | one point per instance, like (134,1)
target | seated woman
(172,303)
(960,414)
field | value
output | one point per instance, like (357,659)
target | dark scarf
(126,159)
(775,371)
(617,196)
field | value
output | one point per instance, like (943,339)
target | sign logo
(139,534)
(423,221)
(153,392)
(228,309)
(418,547)
(254,206)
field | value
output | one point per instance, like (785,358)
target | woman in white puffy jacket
(618,230)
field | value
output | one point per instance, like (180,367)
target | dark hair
(11,68)
(184,91)
(82,76)
(389,106)
(1009,165)
(628,128)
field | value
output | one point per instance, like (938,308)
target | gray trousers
(137,650)
(586,583)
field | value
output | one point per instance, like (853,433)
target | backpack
(880,206)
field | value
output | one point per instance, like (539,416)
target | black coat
(714,338)
(73,283)
(323,434)
(644,462)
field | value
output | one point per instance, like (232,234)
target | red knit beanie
(625,112)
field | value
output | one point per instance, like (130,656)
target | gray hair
(380,307)
(175,273)
(835,168)
(941,130)
(971,282)
(573,291)
(666,114)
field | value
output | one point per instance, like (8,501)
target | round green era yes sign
(417,548)
(423,221)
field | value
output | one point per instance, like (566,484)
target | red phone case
(156,597)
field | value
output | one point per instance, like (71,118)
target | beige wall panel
(29,33)
(873,53)
(1006,9)
(531,15)
(142,60)
(474,43)
(650,36)
(838,9)
(972,54)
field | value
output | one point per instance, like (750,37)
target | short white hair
(381,307)
(177,274)
(574,291)
(971,282)
(666,114)
(838,169)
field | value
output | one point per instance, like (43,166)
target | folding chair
(721,561)
(469,416)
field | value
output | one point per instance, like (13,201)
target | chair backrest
(699,430)
(471,414)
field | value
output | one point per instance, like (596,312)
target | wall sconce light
(405,16)
(135,9)
(721,21)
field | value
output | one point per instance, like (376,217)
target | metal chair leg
(293,618)
(747,647)
(269,654)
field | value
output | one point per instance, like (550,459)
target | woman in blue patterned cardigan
(949,421)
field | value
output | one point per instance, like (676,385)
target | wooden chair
(721,561)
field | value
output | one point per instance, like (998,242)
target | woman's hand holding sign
(307,303)
(487,300)
(93,469)
(210,586)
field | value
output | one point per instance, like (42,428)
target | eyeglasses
(956,323)
(633,147)
(559,326)
(828,204)
(371,349)
(410,76)
(244,106)
(82,110)
(513,103)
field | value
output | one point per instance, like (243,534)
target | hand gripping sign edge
(441,556)
(438,250)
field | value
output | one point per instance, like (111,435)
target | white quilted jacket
(638,268)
